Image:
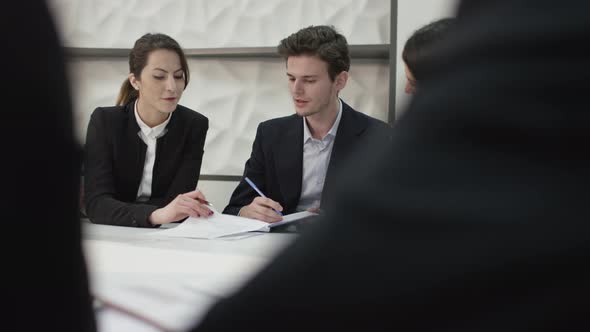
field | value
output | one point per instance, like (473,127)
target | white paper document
(222,225)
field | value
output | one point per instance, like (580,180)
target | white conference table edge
(112,251)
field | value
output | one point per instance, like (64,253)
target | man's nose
(298,87)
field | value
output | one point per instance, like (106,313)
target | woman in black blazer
(143,157)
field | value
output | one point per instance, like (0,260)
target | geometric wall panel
(219,23)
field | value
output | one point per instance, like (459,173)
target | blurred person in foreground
(45,283)
(476,216)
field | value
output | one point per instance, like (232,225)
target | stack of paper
(220,225)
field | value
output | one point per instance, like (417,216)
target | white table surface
(171,281)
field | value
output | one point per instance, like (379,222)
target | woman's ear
(134,82)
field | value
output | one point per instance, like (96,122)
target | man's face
(310,85)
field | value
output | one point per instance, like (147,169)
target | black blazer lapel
(288,152)
(166,148)
(134,158)
(350,128)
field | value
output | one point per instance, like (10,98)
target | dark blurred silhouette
(419,46)
(44,284)
(476,216)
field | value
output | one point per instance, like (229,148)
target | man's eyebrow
(304,76)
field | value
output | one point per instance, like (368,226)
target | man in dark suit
(294,159)
(44,283)
(476,216)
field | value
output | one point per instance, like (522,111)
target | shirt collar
(331,132)
(145,129)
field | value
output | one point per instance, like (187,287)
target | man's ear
(134,81)
(341,80)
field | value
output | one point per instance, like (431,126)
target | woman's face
(410,81)
(161,82)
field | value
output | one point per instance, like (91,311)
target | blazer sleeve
(187,175)
(99,189)
(255,170)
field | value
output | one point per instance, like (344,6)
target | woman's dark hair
(138,57)
(323,41)
(419,45)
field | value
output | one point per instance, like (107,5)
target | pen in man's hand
(259,192)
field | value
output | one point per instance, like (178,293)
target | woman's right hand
(184,205)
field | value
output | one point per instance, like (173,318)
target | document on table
(220,225)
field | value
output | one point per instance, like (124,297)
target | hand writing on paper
(191,204)
(261,208)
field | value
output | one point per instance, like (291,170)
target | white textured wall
(216,23)
(411,15)
(235,94)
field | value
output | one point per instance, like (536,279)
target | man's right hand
(261,208)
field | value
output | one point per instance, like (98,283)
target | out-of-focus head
(419,46)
